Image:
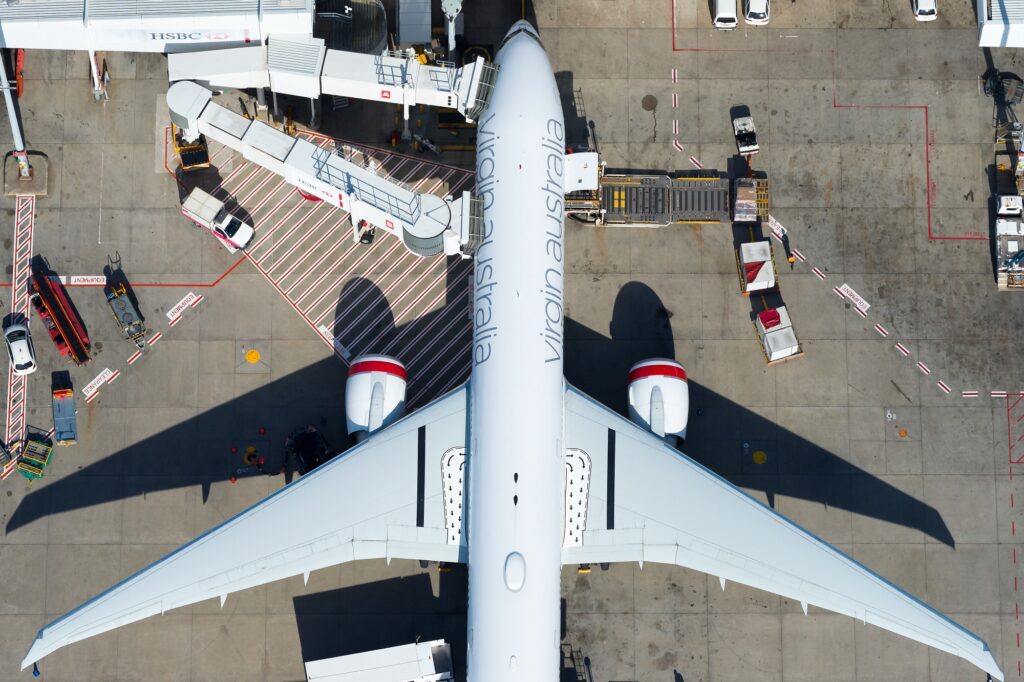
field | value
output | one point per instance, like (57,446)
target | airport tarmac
(876,141)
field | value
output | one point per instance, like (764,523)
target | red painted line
(399,259)
(839,293)
(284,238)
(860,312)
(924,368)
(113,377)
(330,288)
(1011,500)
(969,394)
(945,388)
(199,299)
(441,354)
(799,255)
(404,259)
(1015,589)
(268,233)
(135,356)
(695,162)
(675,72)
(412,286)
(312,250)
(1014,555)
(174,321)
(675,100)
(405,330)
(255,171)
(156,337)
(92,396)
(820,275)
(1020,418)
(312,268)
(255,190)
(903,349)
(999,394)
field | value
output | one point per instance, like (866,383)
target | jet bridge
(302,66)
(426,224)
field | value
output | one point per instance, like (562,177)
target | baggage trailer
(66,329)
(126,315)
(35,457)
(419,662)
(755,262)
(777,335)
(751,201)
(65,423)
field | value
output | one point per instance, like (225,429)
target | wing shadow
(595,363)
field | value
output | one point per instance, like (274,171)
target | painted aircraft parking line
(485,474)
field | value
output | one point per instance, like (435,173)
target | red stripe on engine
(378,366)
(657,371)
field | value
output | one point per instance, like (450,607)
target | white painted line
(860,312)
(675,100)
(180,306)
(156,337)
(675,75)
(675,126)
(679,147)
(135,356)
(174,321)
(199,299)
(969,394)
(944,386)
(94,385)
(999,394)
(799,255)
(881,330)
(818,273)
(839,293)
(902,349)
(113,376)
(924,368)
(92,396)
(695,162)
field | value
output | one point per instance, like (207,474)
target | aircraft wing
(646,501)
(398,494)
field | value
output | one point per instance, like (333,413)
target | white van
(725,14)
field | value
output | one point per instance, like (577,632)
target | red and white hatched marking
(944,386)
(924,368)
(818,273)
(902,349)
(17,386)
(306,253)
(881,330)
(969,394)
(695,162)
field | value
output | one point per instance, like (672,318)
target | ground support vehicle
(777,335)
(750,200)
(746,135)
(653,199)
(209,212)
(37,451)
(307,447)
(65,326)
(65,423)
(192,155)
(126,315)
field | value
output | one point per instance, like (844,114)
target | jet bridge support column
(20,155)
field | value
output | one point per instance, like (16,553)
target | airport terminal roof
(36,10)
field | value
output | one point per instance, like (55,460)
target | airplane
(516,473)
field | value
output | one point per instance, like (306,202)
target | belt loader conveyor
(653,200)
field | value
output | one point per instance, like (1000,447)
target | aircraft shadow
(595,363)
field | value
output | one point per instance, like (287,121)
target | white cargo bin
(756,266)
(420,662)
(778,338)
(1010,205)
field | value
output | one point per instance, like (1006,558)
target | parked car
(20,349)
(725,15)
(925,10)
(757,12)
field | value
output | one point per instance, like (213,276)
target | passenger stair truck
(419,662)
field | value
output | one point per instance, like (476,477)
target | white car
(234,234)
(757,12)
(925,10)
(20,349)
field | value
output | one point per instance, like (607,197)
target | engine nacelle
(659,398)
(374,394)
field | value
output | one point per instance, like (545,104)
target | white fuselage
(516,459)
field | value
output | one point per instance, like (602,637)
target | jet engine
(374,394)
(659,398)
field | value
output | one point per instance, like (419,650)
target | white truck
(746,135)
(209,212)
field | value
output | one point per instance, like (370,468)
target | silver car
(20,349)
